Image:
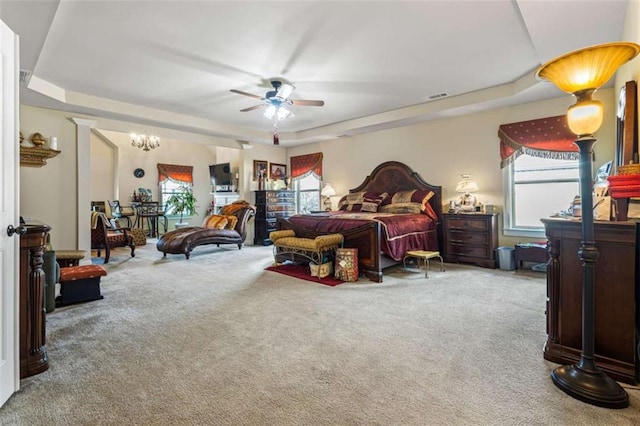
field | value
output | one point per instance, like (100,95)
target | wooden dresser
(270,205)
(616,290)
(471,238)
(33,353)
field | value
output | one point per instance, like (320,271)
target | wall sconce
(581,73)
(327,192)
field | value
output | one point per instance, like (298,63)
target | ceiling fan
(276,99)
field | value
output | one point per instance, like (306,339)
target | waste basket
(506,258)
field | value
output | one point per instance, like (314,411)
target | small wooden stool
(80,284)
(425,255)
(69,257)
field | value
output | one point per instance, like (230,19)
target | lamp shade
(587,68)
(466,185)
(328,191)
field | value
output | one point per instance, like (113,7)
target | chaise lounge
(230,227)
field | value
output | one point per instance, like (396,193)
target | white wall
(103,158)
(49,193)
(631,32)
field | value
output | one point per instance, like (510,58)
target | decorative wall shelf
(36,156)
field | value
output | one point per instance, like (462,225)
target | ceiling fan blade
(307,102)
(240,92)
(252,108)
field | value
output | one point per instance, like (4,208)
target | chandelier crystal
(145,142)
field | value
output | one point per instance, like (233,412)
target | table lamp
(466,187)
(581,73)
(327,192)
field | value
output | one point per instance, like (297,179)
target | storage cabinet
(616,292)
(471,238)
(33,353)
(270,205)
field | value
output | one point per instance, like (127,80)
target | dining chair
(150,212)
(119,211)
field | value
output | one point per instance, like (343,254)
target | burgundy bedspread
(400,232)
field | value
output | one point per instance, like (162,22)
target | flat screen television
(221,175)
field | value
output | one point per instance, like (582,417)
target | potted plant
(182,202)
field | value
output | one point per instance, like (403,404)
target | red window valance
(175,172)
(548,137)
(302,165)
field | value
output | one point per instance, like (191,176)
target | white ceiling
(374,63)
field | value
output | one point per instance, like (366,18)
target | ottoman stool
(424,255)
(80,284)
(139,236)
(536,252)
(69,257)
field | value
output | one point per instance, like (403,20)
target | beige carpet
(216,340)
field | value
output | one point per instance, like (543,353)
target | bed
(381,237)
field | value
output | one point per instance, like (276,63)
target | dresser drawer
(279,208)
(478,238)
(470,224)
(482,252)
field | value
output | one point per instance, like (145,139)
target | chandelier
(145,142)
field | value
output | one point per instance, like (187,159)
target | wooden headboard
(393,176)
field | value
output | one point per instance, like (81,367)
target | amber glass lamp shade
(581,73)
(588,68)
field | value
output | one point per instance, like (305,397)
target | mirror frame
(627,124)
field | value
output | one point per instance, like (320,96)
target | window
(537,188)
(174,179)
(306,175)
(307,193)
(169,187)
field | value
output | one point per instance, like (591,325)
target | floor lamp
(581,73)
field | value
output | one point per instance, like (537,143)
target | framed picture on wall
(259,169)
(277,171)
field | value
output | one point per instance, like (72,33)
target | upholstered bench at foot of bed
(184,240)
(80,284)
(314,249)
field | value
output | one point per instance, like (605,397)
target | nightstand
(471,238)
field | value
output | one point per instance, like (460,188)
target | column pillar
(83,167)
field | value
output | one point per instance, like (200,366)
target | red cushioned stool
(80,284)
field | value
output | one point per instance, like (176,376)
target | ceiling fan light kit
(276,102)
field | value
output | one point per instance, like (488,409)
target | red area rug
(303,272)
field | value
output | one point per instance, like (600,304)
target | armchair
(106,236)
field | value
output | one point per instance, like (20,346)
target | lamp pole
(581,73)
(584,380)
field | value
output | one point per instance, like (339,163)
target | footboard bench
(314,249)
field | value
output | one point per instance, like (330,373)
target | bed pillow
(232,221)
(401,208)
(214,221)
(420,196)
(371,205)
(353,202)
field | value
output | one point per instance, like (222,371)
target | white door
(9,186)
